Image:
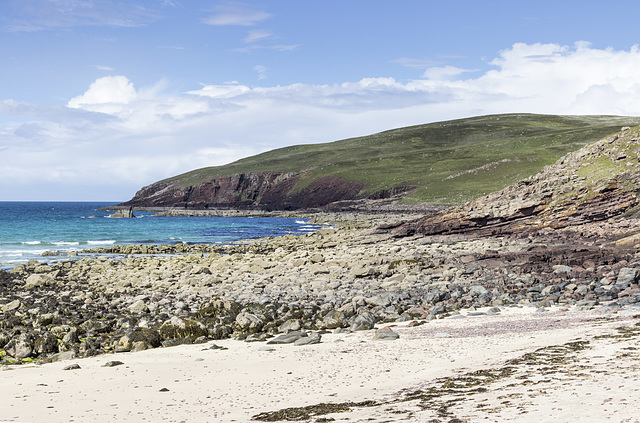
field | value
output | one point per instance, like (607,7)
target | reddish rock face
(270,191)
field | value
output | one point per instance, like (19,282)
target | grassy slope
(452,162)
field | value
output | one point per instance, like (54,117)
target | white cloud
(104,68)
(115,138)
(257,35)
(262,71)
(105,95)
(444,72)
(234,13)
(222,91)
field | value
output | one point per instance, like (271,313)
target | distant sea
(27,229)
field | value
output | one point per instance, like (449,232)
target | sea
(28,229)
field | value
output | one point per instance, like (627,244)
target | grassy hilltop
(450,162)
(444,163)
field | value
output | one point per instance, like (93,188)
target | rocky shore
(133,297)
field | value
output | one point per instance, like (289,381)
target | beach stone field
(300,292)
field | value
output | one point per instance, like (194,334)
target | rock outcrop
(262,191)
(595,183)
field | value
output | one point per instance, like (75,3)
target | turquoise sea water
(29,228)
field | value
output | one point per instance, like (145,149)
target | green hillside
(449,162)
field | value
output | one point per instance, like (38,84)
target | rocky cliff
(268,191)
(593,184)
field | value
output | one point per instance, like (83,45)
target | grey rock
(248,323)
(385,334)
(582,289)
(562,269)
(434,296)
(46,344)
(257,337)
(61,356)
(477,290)
(45,319)
(138,307)
(382,300)
(548,290)
(332,320)
(438,310)
(628,275)
(140,346)
(290,326)
(36,280)
(313,338)
(20,346)
(72,367)
(176,341)
(364,321)
(316,258)
(287,338)
(13,305)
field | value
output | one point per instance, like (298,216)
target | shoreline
(467,369)
(161,315)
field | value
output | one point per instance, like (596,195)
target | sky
(99,98)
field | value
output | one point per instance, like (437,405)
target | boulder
(333,320)
(247,323)
(288,338)
(363,321)
(178,327)
(46,344)
(139,339)
(628,275)
(37,280)
(290,325)
(20,346)
(385,334)
(13,305)
(313,338)
(138,307)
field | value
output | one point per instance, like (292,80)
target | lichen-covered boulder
(178,327)
(332,320)
(46,344)
(139,339)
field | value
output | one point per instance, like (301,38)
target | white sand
(204,385)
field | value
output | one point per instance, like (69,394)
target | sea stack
(123,213)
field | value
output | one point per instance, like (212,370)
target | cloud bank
(114,138)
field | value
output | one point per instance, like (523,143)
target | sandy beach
(588,376)
(504,328)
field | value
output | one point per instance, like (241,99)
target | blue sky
(99,98)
